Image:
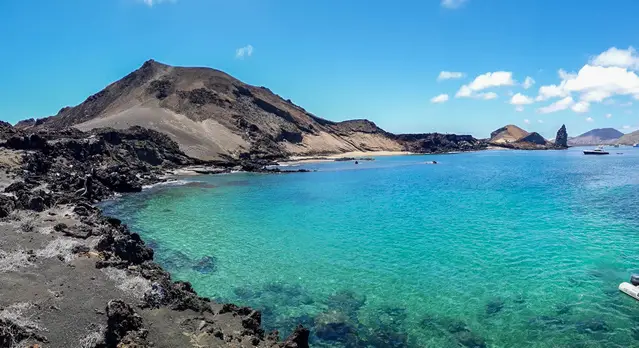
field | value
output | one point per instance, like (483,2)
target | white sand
(329,158)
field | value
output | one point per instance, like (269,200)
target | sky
(451,66)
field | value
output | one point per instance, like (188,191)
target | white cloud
(150,3)
(607,75)
(581,107)
(448,75)
(442,98)
(492,79)
(559,105)
(487,96)
(528,82)
(520,99)
(626,127)
(484,81)
(245,51)
(464,91)
(551,91)
(589,119)
(526,121)
(540,121)
(519,108)
(625,105)
(618,58)
(608,115)
(452,4)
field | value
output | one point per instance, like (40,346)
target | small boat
(635,145)
(599,150)
(615,145)
(631,289)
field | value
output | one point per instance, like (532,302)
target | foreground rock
(71,277)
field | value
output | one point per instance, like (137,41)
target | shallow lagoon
(493,248)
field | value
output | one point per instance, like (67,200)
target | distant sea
(484,249)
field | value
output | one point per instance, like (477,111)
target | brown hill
(212,115)
(533,138)
(507,134)
(629,139)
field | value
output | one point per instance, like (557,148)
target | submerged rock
(347,301)
(334,326)
(494,306)
(206,265)
(470,340)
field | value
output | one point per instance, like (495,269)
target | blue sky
(345,59)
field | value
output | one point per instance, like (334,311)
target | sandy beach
(330,158)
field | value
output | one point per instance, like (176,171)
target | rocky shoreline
(72,277)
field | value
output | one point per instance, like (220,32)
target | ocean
(483,249)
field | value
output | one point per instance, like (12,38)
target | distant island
(598,136)
(513,137)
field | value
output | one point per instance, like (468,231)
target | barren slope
(211,115)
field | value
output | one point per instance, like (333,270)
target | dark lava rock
(128,247)
(80,249)
(561,140)
(298,339)
(11,334)
(439,143)
(7,204)
(28,142)
(121,320)
(252,321)
(494,306)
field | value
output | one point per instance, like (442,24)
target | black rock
(121,320)
(298,339)
(7,204)
(561,140)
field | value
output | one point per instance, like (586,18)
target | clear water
(486,249)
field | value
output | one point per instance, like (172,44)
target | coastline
(62,261)
(355,155)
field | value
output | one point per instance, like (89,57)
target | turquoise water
(485,249)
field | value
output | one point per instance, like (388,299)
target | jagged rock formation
(598,136)
(561,140)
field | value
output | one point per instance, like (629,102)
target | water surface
(485,249)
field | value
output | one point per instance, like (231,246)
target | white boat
(599,150)
(635,145)
(629,290)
